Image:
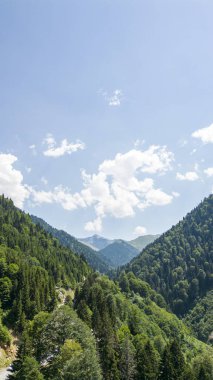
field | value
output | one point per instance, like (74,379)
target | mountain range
(151,321)
(101,253)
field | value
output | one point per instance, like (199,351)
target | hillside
(66,240)
(74,323)
(200,318)
(32,263)
(142,241)
(179,264)
(119,253)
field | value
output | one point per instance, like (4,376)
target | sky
(106,112)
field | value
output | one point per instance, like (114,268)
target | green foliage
(179,265)
(5,338)
(61,344)
(200,318)
(32,263)
(173,363)
(131,330)
(28,371)
(119,330)
(92,257)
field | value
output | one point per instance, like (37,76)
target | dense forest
(179,264)
(93,258)
(74,323)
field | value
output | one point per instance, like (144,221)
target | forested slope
(179,264)
(32,263)
(99,329)
(92,257)
(119,253)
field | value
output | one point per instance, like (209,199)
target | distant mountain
(142,241)
(93,258)
(119,253)
(96,242)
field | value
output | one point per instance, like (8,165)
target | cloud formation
(188,176)
(119,187)
(115,99)
(209,172)
(140,231)
(94,226)
(11,180)
(204,134)
(63,148)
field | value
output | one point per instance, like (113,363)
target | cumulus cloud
(140,231)
(63,148)
(60,195)
(119,187)
(94,226)
(11,180)
(188,176)
(209,172)
(204,134)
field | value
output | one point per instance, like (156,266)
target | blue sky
(106,112)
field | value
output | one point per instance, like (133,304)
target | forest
(150,320)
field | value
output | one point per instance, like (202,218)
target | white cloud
(115,99)
(157,197)
(60,195)
(204,134)
(116,189)
(94,226)
(175,194)
(188,176)
(140,231)
(153,160)
(11,180)
(28,170)
(119,187)
(64,148)
(209,172)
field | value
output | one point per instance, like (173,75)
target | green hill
(74,323)
(142,241)
(119,253)
(179,264)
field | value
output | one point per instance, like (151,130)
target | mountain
(179,264)
(96,242)
(119,253)
(142,241)
(93,259)
(74,323)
